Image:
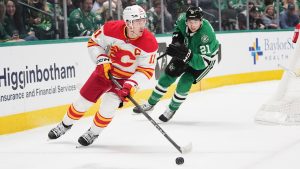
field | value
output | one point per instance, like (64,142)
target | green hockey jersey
(83,25)
(202,42)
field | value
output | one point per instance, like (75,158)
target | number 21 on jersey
(204,49)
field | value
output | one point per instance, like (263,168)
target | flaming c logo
(122,57)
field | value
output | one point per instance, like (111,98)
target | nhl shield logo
(172,67)
(204,39)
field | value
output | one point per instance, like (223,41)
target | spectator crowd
(27,20)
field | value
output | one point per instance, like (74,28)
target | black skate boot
(146,107)
(87,138)
(58,131)
(167,115)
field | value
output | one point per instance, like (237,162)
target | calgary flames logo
(122,57)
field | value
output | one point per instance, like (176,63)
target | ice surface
(218,122)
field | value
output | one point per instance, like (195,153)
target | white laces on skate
(89,136)
(147,107)
(59,130)
(169,113)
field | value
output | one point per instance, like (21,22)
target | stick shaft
(147,116)
(159,57)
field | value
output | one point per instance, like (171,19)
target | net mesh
(284,105)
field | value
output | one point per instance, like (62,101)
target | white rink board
(276,48)
(22,58)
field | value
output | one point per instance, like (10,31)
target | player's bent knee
(109,103)
(82,104)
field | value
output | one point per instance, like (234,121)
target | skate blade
(79,146)
(148,112)
(158,121)
(48,139)
(135,114)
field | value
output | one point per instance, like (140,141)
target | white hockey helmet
(133,12)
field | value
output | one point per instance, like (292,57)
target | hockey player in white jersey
(125,49)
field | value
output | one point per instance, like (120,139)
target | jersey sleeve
(211,48)
(97,45)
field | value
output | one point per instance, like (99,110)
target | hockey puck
(179,160)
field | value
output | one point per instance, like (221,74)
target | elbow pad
(95,52)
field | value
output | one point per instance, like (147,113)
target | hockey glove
(177,37)
(129,88)
(179,51)
(103,65)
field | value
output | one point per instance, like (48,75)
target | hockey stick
(292,73)
(182,150)
(159,57)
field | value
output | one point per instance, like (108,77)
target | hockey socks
(157,94)
(177,100)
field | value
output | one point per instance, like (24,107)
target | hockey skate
(167,115)
(146,107)
(58,131)
(87,138)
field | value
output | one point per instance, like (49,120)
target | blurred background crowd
(27,20)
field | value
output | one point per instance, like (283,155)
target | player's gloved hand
(129,88)
(179,51)
(104,65)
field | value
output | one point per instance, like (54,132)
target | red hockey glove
(104,65)
(129,88)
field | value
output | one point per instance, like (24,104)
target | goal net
(284,106)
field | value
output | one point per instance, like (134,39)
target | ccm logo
(101,60)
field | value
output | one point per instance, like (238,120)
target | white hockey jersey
(132,59)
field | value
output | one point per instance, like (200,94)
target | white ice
(218,122)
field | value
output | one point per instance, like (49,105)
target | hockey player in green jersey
(194,50)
